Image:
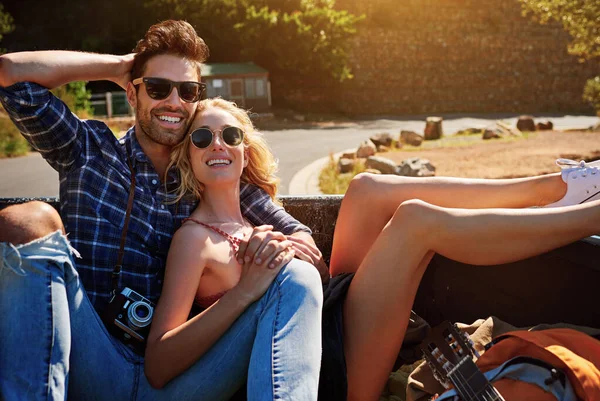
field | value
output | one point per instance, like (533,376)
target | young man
(51,336)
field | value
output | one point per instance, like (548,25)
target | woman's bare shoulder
(192,232)
(191,242)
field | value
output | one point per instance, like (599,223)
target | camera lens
(140,314)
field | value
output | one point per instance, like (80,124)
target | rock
(544,126)
(499,130)
(348,155)
(382,149)
(299,117)
(399,145)
(416,167)
(526,123)
(383,139)
(509,130)
(366,149)
(345,165)
(410,138)
(470,131)
(490,134)
(372,171)
(383,164)
(433,128)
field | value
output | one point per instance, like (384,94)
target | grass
(332,182)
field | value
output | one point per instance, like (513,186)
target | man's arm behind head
(53,68)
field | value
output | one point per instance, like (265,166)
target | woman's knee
(363,185)
(302,279)
(26,222)
(372,184)
(417,216)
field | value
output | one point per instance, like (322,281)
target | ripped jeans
(52,339)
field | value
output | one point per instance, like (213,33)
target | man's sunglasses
(203,137)
(160,88)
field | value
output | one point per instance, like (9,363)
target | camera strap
(117,270)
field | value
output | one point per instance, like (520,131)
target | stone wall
(445,56)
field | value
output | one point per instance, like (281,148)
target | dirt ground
(507,159)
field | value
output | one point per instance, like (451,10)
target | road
(30,176)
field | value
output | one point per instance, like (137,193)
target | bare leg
(371,200)
(379,300)
(23,223)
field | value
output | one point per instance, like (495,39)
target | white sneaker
(583,182)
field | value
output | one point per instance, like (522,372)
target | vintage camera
(128,317)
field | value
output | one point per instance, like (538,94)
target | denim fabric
(51,338)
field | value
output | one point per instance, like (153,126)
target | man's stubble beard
(158,134)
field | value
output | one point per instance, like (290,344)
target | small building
(246,84)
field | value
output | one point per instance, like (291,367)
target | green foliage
(580,18)
(12,142)
(591,93)
(295,36)
(6,24)
(77,97)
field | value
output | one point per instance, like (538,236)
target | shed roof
(216,69)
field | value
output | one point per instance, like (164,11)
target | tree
(6,23)
(581,19)
(77,98)
(290,36)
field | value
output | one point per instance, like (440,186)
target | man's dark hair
(172,37)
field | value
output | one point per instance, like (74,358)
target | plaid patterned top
(94,188)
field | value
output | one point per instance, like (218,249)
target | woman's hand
(257,277)
(306,249)
(252,248)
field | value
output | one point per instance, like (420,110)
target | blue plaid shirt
(94,188)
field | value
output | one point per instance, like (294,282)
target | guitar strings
(462,388)
(487,389)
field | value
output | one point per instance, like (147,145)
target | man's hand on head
(123,76)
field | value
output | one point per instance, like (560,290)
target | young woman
(387,231)
(262,319)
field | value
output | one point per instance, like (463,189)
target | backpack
(571,352)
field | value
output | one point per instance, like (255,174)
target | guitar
(451,356)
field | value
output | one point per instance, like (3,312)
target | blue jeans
(52,339)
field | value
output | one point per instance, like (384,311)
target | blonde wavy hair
(262,165)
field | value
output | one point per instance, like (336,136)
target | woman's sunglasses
(160,88)
(203,137)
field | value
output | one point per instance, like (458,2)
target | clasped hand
(264,252)
(262,255)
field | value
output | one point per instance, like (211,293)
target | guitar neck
(450,354)
(471,384)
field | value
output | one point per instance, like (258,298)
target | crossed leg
(379,300)
(372,200)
